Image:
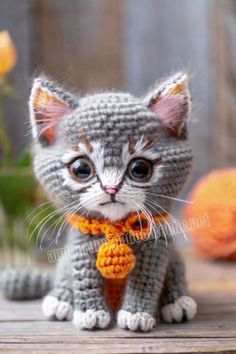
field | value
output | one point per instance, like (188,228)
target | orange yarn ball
(114,260)
(215,197)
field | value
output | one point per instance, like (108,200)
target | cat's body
(110,156)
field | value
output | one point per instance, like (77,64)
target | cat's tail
(24,284)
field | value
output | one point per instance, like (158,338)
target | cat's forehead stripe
(112,127)
(113,120)
(86,141)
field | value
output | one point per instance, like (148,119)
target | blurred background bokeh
(128,45)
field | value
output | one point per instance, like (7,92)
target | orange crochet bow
(115,259)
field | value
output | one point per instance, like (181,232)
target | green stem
(4,139)
(10,232)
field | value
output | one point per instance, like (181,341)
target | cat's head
(111,154)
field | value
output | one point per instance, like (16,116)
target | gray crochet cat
(108,156)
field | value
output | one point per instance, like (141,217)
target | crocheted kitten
(114,162)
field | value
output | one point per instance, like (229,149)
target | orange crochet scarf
(115,259)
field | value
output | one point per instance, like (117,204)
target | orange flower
(7,53)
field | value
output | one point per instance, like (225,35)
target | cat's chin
(115,211)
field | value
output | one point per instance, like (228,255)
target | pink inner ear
(53,111)
(169,110)
(47,117)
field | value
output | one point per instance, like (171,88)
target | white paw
(55,309)
(91,319)
(135,321)
(184,308)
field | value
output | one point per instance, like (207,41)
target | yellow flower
(7,53)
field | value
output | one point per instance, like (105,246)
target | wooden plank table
(24,330)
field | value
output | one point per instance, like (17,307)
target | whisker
(39,206)
(55,226)
(47,230)
(140,222)
(170,216)
(73,209)
(47,218)
(65,223)
(155,204)
(35,217)
(162,227)
(153,224)
(148,216)
(172,198)
(161,195)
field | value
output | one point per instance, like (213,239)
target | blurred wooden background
(128,45)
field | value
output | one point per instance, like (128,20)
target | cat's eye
(140,170)
(81,169)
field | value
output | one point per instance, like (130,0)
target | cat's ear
(47,105)
(171,103)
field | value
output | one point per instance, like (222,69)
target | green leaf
(17,190)
(25,159)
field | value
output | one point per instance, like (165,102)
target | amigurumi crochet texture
(114,163)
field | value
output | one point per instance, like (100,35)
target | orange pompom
(215,197)
(114,260)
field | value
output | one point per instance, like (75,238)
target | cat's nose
(110,190)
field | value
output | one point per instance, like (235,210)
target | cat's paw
(55,309)
(91,319)
(182,309)
(139,321)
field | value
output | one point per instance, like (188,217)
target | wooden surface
(24,330)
